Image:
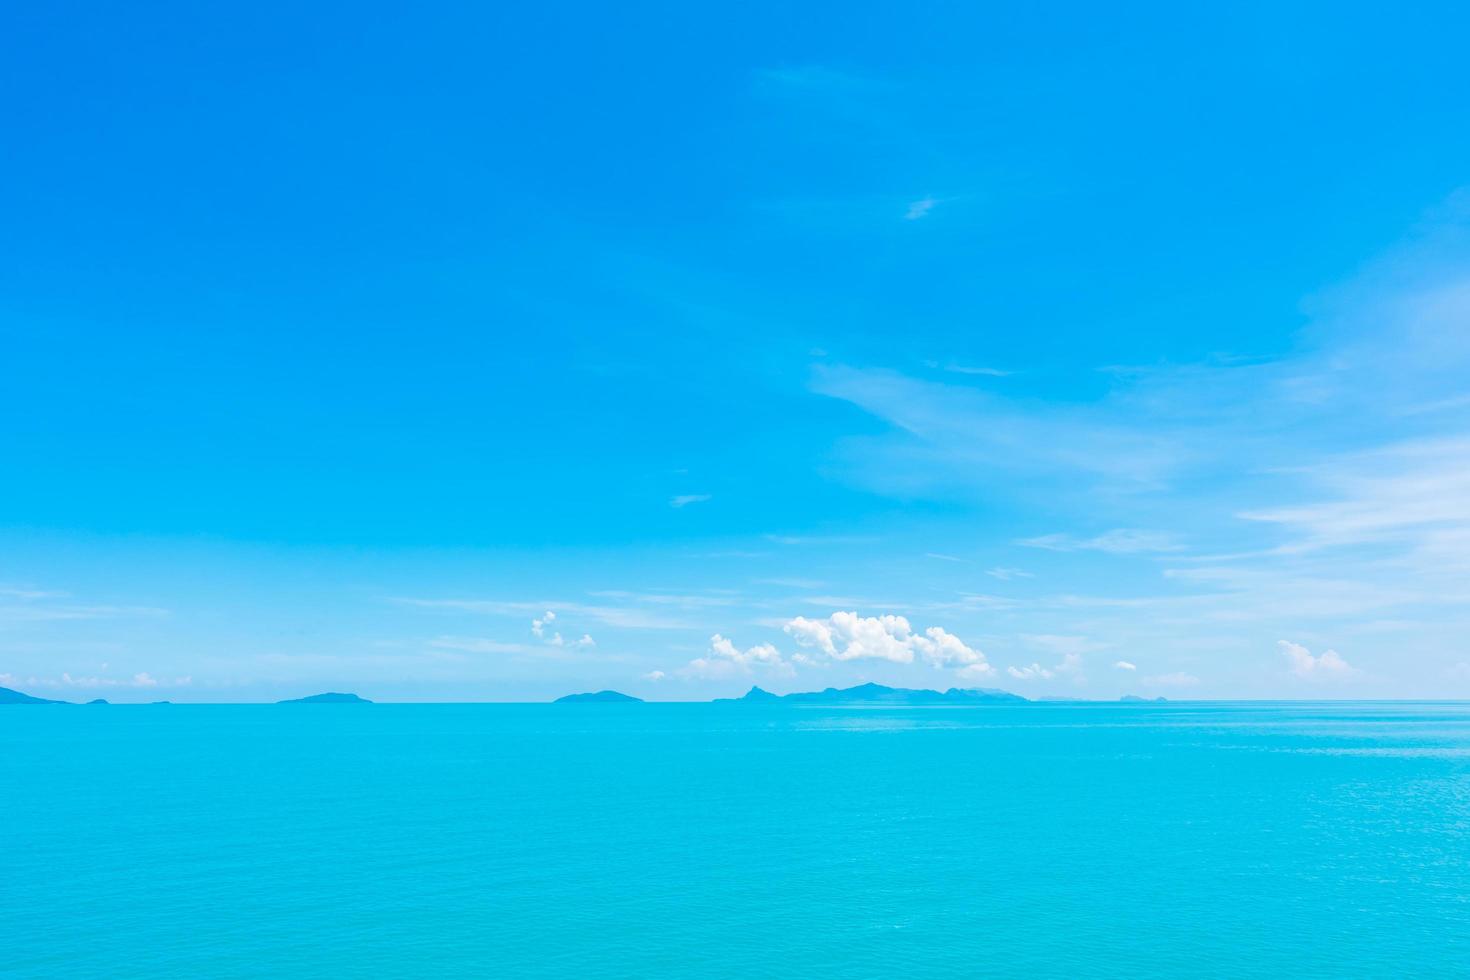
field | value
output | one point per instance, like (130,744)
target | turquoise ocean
(703,840)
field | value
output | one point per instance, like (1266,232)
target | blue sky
(1072,351)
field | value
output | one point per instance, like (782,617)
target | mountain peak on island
(599,697)
(330,697)
(1135,699)
(880,694)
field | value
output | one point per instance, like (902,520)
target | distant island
(331,697)
(863,694)
(7,696)
(879,694)
(599,697)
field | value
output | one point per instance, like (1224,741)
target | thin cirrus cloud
(919,209)
(979,371)
(1120,541)
(685,499)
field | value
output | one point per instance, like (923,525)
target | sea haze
(730,840)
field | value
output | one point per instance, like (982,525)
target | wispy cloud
(970,369)
(478,644)
(30,595)
(30,605)
(1176,679)
(919,209)
(1122,541)
(685,499)
(142,679)
(1069,667)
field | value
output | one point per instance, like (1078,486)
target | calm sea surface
(1181,840)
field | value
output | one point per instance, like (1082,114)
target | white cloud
(1327,666)
(1121,541)
(1008,574)
(919,209)
(538,626)
(940,557)
(654,675)
(1125,665)
(685,499)
(845,636)
(725,659)
(1070,666)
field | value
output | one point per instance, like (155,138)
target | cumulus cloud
(1125,665)
(725,659)
(1327,666)
(847,636)
(540,625)
(654,675)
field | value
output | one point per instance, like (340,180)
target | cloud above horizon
(846,636)
(1329,665)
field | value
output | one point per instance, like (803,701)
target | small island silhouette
(599,697)
(331,697)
